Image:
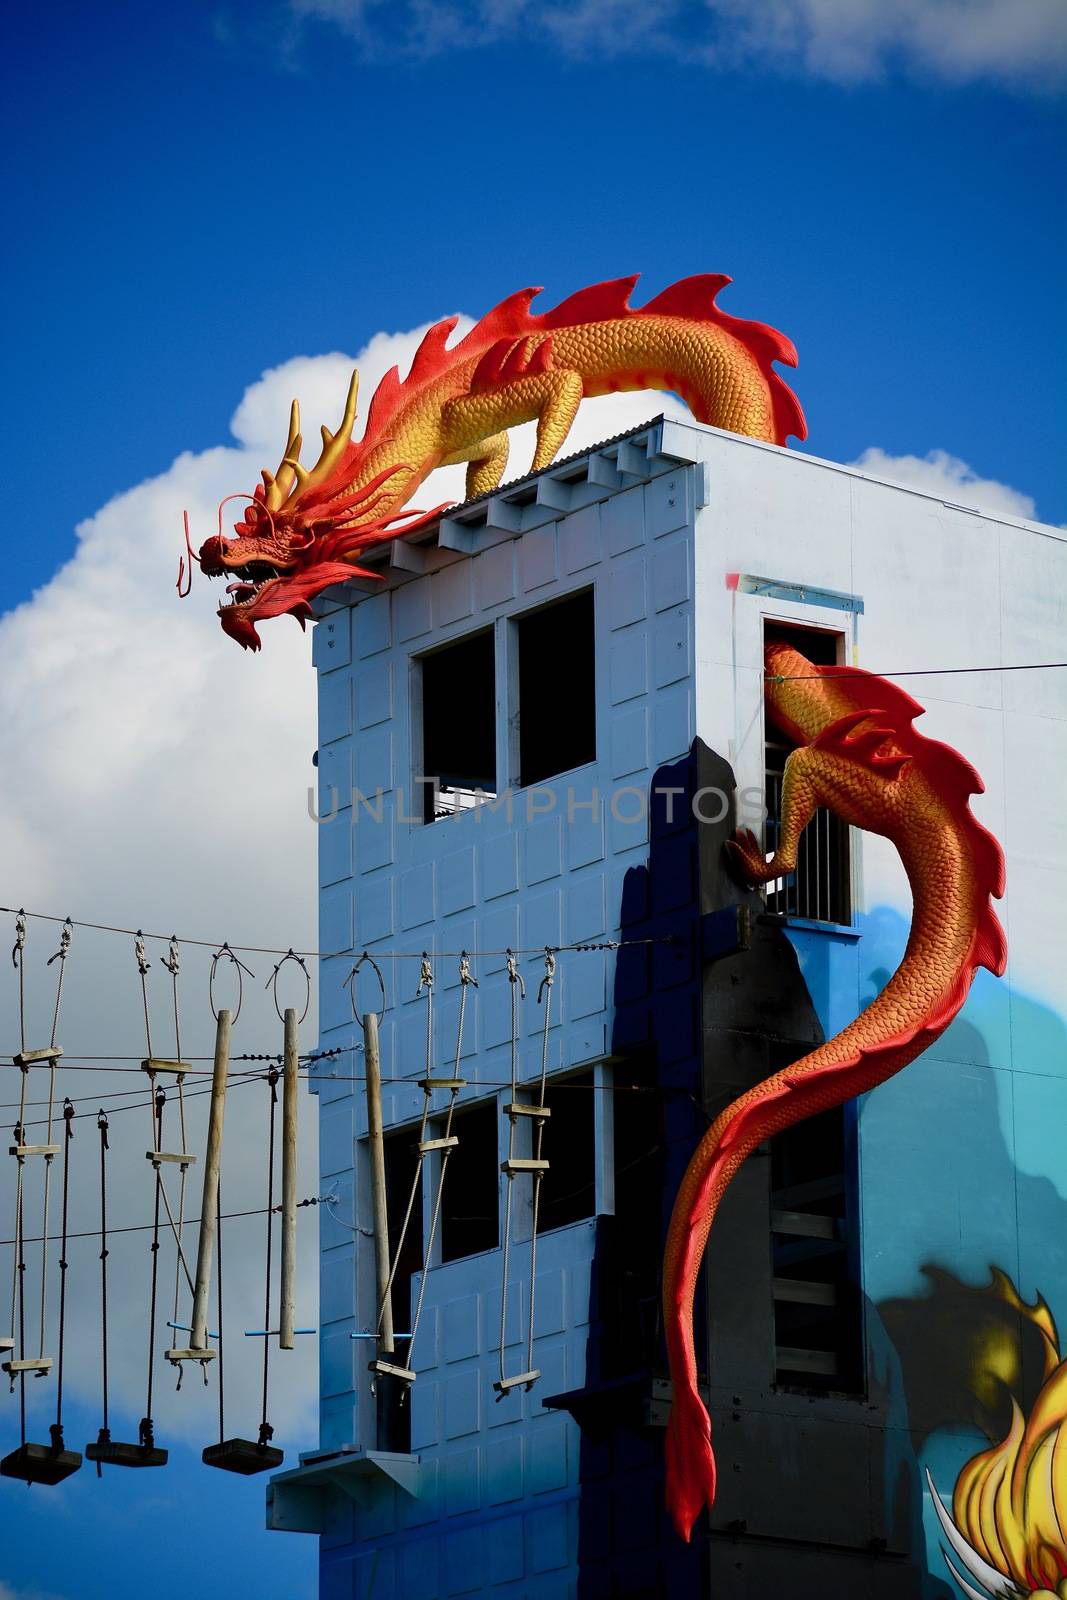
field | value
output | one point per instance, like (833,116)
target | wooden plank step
(429,1084)
(522,1164)
(30,1058)
(389,1369)
(34,1149)
(189,1354)
(524,1379)
(160,1064)
(36,1364)
(427,1145)
(515,1108)
(181,1156)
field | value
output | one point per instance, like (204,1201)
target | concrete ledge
(303,1500)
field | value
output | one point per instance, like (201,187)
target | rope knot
(465,974)
(142,960)
(172,960)
(514,975)
(550,973)
(425,975)
(20,939)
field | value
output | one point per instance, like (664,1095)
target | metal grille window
(819,889)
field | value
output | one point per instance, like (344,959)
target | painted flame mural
(1006,1534)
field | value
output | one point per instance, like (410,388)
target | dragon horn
(333,448)
(278,486)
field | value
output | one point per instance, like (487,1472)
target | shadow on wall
(960,1351)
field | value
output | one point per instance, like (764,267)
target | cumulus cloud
(842,41)
(947,477)
(156,776)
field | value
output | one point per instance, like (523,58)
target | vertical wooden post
(209,1209)
(290,1083)
(372,1057)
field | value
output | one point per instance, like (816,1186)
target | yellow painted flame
(1010,1502)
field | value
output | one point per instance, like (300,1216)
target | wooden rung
(517,1165)
(442,1083)
(521,1378)
(392,1371)
(34,1149)
(158,1064)
(438,1144)
(7,1344)
(515,1108)
(189,1355)
(37,1364)
(29,1058)
(181,1156)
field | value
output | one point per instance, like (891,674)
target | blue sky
(197,194)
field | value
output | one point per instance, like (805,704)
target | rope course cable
(225,948)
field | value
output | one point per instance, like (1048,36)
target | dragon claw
(745,858)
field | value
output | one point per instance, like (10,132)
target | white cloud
(947,477)
(156,775)
(844,41)
(853,41)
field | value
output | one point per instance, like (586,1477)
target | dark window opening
(818,1317)
(470,1202)
(631,1320)
(819,889)
(568,1188)
(557,689)
(458,725)
(401,1163)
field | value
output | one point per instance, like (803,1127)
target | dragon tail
(852,1062)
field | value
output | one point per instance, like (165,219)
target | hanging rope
(448,1143)
(56,1429)
(511,1167)
(272,983)
(61,957)
(541,1113)
(104,1435)
(172,962)
(222,952)
(426,983)
(266,1432)
(146,1431)
(18,1260)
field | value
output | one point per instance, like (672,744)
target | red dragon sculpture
(858,754)
(305,530)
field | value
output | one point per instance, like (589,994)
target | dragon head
(302,530)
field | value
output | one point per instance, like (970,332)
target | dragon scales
(305,530)
(858,754)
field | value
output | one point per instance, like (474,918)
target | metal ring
(224,950)
(350,984)
(272,983)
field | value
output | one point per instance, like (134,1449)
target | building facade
(535,736)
